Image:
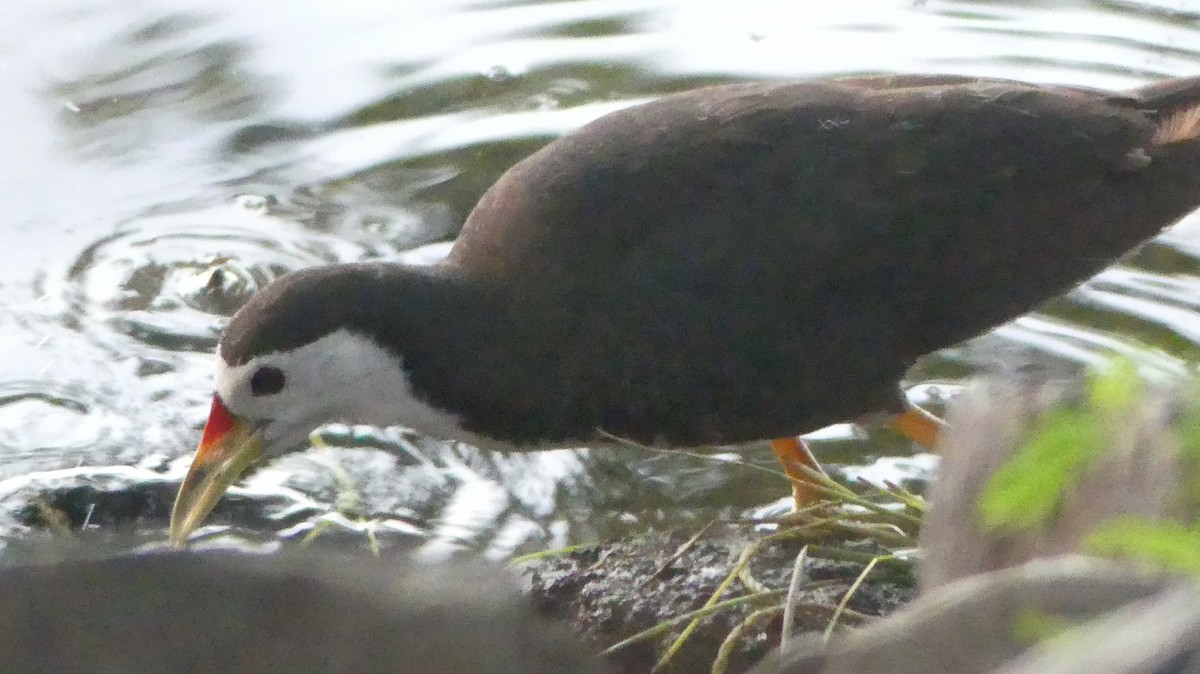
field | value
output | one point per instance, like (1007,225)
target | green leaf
(1117,388)
(1187,430)
(1028,489)
(1033,626)
(1188,425)
(1167,545)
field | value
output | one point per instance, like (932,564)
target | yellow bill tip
(228,447)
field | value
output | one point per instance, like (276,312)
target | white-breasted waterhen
(733,263)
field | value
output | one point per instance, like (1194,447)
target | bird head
(303,352)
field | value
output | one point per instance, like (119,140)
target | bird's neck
(467,354)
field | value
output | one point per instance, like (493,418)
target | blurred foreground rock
(1141,473)
(1021,601)
(1006,621)
(236,613)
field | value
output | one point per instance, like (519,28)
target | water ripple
(170,281)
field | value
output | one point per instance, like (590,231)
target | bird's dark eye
(266,381)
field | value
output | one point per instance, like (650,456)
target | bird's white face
(269,405)
(342,376)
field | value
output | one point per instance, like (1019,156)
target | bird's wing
(822,170)
(845,226)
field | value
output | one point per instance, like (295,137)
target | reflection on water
(167,159)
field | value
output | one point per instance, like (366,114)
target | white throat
(341,377)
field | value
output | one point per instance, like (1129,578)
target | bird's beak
(228,446)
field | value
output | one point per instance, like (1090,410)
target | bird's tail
(1177,104)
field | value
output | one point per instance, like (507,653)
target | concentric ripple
(169,281)
(39,415)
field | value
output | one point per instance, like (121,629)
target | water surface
(166,159)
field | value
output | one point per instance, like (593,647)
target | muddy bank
(613,591)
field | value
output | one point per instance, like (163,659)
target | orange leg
(794,453)
(919,426)
(915,423)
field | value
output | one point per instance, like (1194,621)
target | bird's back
(711,263)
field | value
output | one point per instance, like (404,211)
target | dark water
(163,160)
